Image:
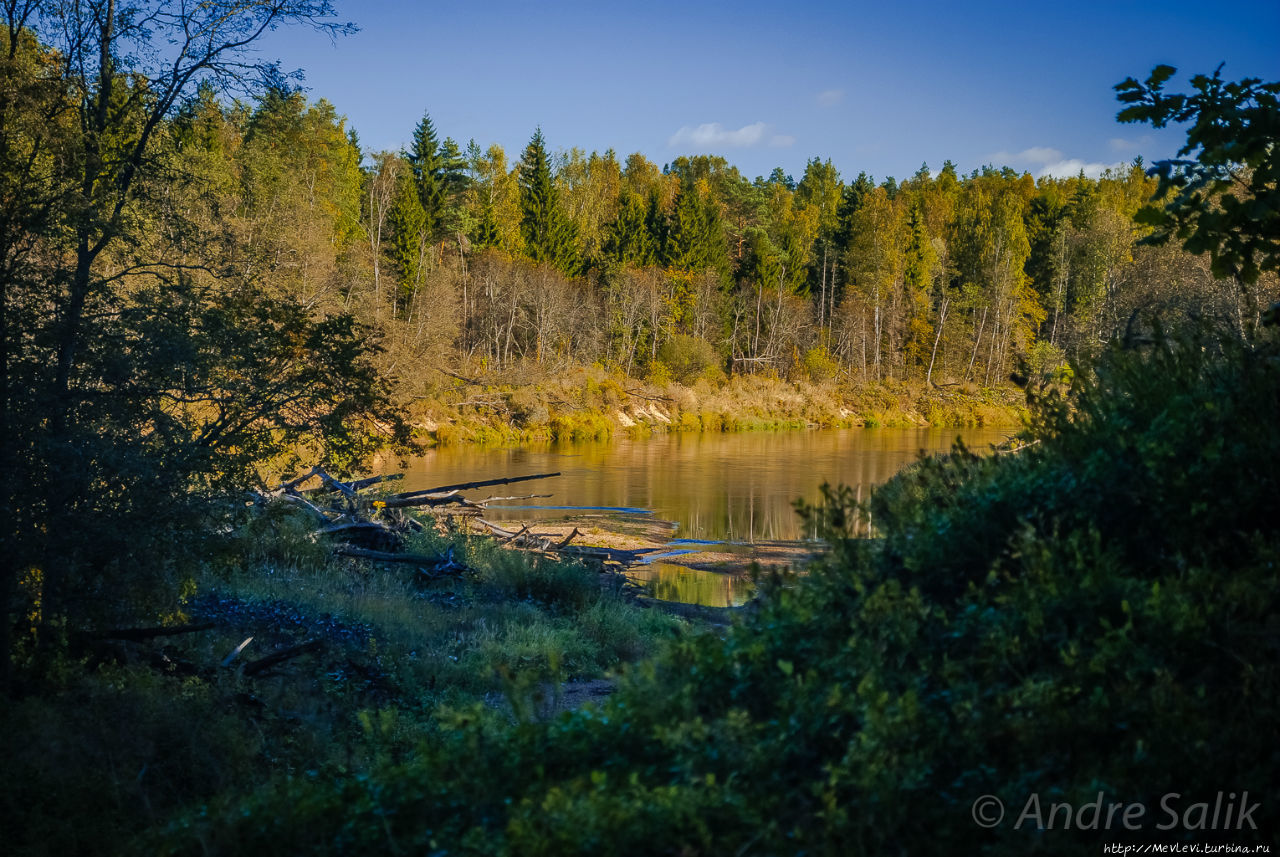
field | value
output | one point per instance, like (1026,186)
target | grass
(117,742)
(588,403)
(452,640)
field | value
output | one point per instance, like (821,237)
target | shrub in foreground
(1096,614)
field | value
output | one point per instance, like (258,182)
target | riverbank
(695,579)
(585,403)
(282,658)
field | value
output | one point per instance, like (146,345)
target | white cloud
(715,134)
(1045,161)
(781,141)
(830,97)
(1121,146)
(1034,155)
(1074,166)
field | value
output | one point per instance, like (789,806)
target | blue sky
(874,86)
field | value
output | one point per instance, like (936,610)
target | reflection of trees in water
(691,586)
(716,486)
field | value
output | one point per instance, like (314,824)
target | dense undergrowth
(124,734)
(1093,615)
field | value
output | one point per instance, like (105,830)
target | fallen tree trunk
(388,556)
(261,664)
(139,634)
(361,484)
(439,498)
(367,534)
(462,486)
(301,502)
(487,500)
(297,480)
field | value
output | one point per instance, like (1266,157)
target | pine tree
(548,233)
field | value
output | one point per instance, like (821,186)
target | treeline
(465,258)
(195,289)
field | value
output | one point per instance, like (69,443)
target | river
(735,488)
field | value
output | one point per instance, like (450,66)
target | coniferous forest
(207,285)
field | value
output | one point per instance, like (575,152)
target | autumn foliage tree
(146,369)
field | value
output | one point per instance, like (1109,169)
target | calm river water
(736,487)
(732,490)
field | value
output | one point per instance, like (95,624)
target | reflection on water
(691,586)
(736,487)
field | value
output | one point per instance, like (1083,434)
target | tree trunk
(942,320)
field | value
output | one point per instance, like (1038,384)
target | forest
(468,259)
(207,286)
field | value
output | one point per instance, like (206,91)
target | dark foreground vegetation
(350,665)
(199,291)
(1097,613)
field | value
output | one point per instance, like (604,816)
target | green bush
(688,357)
(820,366)
(528,408)
(1097,613)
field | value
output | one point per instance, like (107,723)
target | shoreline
(700,556)
(587,403)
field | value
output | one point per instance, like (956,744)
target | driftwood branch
(402,501)
(462,378)
(515,537)
(361,484)
(388,556)
(495,529)
(462,486)
(297,480)
(357,528)
(304,503)
(261,664)
(139,634)
(334,485)
(488,500)
(619,555)
(647,398)
(235,653)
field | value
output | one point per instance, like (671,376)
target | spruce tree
(424,160)
(629,239)
(409,236)
(655,222)
(439,175)
(695,238)
(918,274)
(715,245)
(549,235)
(486,232)
(686,245)
(851,200)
